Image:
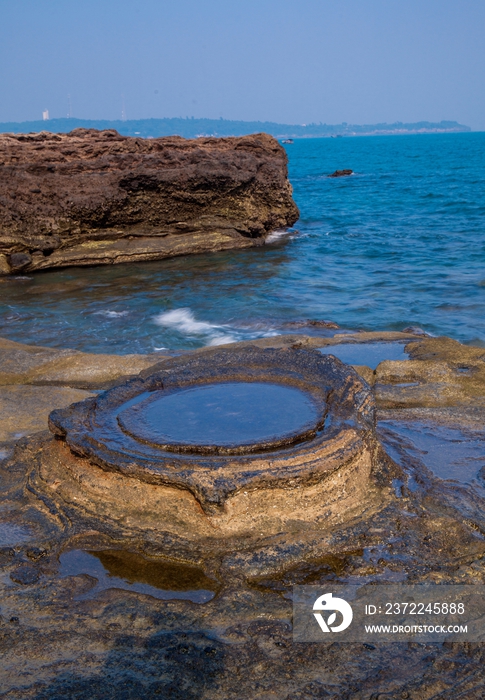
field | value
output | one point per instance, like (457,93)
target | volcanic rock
(92,197)
(25,575)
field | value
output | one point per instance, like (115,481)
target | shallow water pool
(231,413)
(370,354)
(129,571)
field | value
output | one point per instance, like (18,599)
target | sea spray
(184,321)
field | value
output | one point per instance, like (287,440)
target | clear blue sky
(293,61)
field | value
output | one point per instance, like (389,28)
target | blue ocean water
(401,242)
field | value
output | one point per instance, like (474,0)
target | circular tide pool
(223,421)
(221,415)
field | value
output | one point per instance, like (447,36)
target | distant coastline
(191,128)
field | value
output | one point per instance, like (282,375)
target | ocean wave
(277,235)
(184,321)
(223,339)
(111,314)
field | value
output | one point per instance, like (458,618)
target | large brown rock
(92,197)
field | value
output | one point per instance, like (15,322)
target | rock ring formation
(95,197)
(288,435)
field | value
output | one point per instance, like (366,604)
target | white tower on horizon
(45,115)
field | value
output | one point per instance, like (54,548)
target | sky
(289,61)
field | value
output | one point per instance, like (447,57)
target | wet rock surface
(69,634)
(112,431)
(92,197)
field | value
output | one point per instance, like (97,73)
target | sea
(399,243)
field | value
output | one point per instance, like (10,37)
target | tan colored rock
(91,371)
(17,360)
(442,372)
(366,373)
(30,364)
(4,266)
(365,337)
(24,409)
(160,510)
(411,527)
(445,349)
(366,522)
(219,498)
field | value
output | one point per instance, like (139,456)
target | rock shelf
(198,605)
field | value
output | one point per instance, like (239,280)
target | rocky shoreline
(62,636)
(95,197)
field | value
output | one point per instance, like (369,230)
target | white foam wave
(111,314)
(223,339)
(184,321)
(276,235)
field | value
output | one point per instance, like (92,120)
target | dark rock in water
(25,575)
(324,324)
(341,173)
(19,261)
(311,323)
(93,197)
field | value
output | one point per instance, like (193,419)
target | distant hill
(191,127)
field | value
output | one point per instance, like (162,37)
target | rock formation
(341,173)
(97,595)
(92,197)
(214,495)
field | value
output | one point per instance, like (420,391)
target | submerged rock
(92,197)
(341,173)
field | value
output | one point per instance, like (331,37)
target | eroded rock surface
(93,197)
(214,498)
(67,630)
(31,364)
